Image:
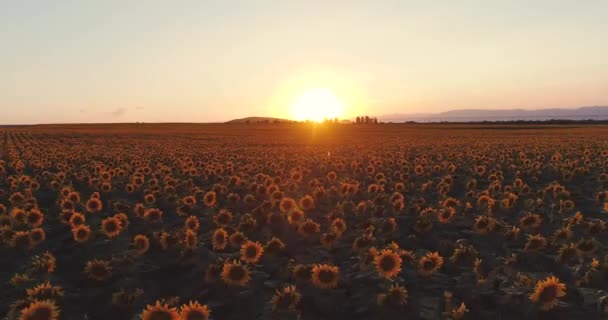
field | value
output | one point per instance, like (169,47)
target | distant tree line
(366,120)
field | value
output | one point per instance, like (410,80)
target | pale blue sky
(118,61)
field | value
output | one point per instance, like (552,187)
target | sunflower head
(141,243)
(98,270)
(40,310)
(388,263)
(111,227)
(235,274)
(251,252)
(194,311)
(395,296)
(325,276)
(159,311)
(286,299)
(219,239)
(547,292)
(430,263)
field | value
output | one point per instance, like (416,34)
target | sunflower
(458,313)
(287,204)
(587,246)
(547,292)
(388,263)
(37,235)
(237,239)
(19,279)
(396,295)
(111,227)
(362,242)
(219,239)
(251,252)
(94,205)
(535,243)
(45,291)
(308,228)
(430,263)
(338,225)
(190,239)
(19,215)
(209,198)
(530,221)
(159,311)
(194,311)
(325,276)
(149,199)
(446,215)
(223,218)
(21,240)
(274,245)
(40,310)
(153,215)
(141,243)
(563,234)
(81,233)
(307,203)
(35,218)
(484,224)
(99,270)
(192,223)
(287,299)
(77,219)
(45,263)
(301,272)
(568,253)
(235,274)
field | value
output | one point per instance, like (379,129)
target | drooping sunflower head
(194,311)
(235,274)
(548,292)
(535,243)
(484,224)
(37,236)
(45,291)
(309,228)
(141,243)
(301,272)
(325,276)
(287,204)
(99,270)
(395,296)
(530,221)
(286,299)
(40,310)
(159,311)
(274,245)
(430,263)
(219,239)
(223,218)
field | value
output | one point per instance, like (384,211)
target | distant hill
(470,115)
(259,120)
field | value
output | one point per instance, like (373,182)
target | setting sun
(317,104)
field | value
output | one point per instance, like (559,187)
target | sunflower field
(303,221)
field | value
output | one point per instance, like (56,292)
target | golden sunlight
(316,105)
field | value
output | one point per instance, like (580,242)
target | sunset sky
(207,61)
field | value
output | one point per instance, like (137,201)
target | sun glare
(316,105)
